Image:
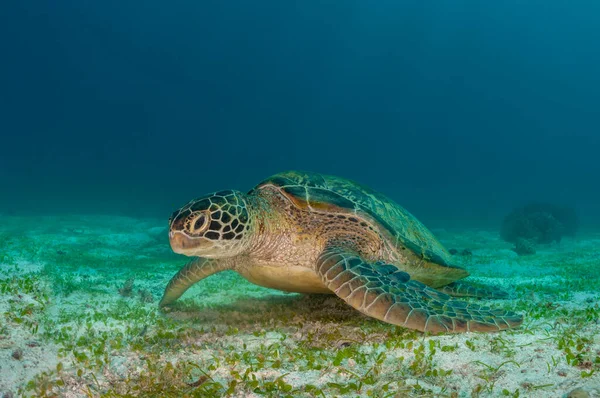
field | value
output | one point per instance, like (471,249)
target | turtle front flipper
(464,289)
(194,271)
(384,292)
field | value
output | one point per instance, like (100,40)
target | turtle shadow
(256,312)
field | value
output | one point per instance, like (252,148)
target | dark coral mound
(524,247)
(539,223)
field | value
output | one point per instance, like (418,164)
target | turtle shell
(323,193)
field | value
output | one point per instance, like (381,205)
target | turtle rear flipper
(384,292)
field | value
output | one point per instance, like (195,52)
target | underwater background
(480,118)
(457,110)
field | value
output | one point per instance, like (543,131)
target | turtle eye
(199,223)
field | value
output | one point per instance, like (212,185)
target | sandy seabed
(79,318)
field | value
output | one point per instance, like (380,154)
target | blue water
(457,110)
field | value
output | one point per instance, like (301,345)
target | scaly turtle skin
(312,233)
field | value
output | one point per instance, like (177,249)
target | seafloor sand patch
(70,328)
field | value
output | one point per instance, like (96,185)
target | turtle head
(213,226)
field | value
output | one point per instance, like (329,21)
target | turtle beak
(179,242)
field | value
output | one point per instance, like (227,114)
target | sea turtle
(312,233)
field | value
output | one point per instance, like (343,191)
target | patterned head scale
(211,226)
